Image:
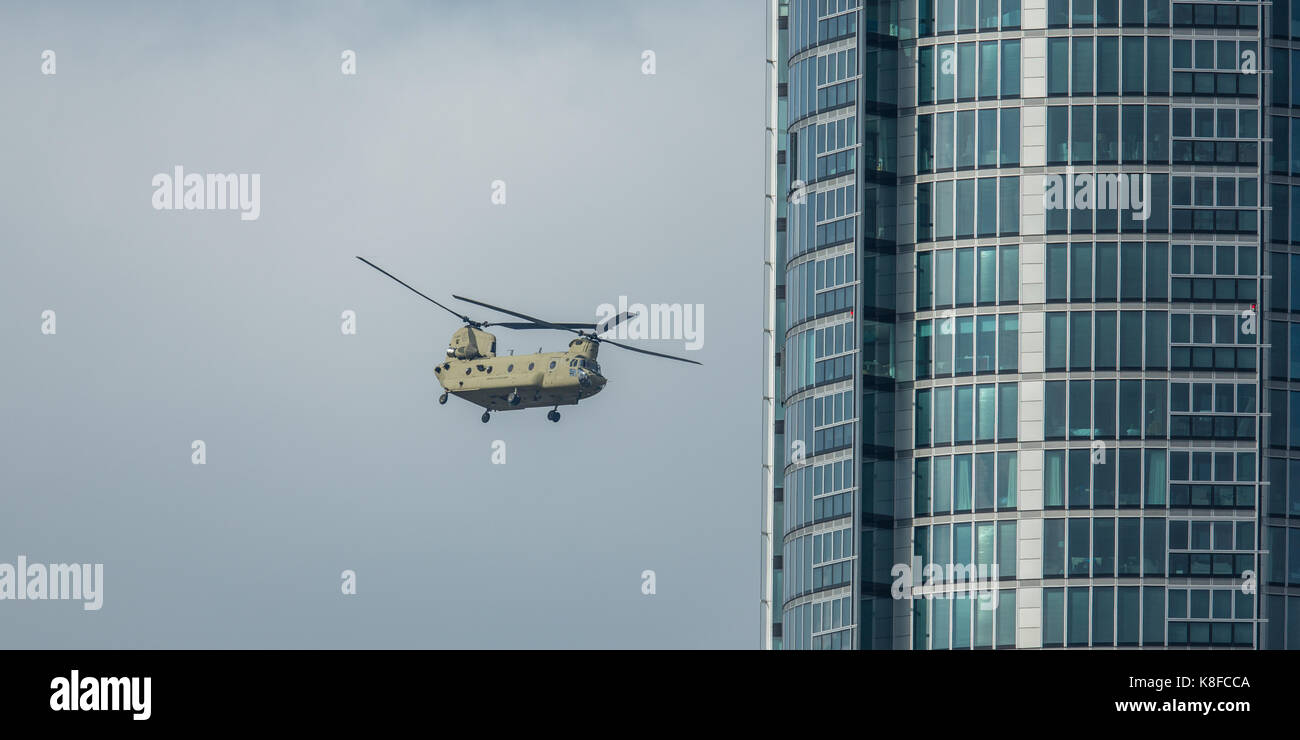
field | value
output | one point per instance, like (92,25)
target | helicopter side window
(510,368)
(552,364)
(530,366)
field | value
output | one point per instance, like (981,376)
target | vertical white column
(767,485)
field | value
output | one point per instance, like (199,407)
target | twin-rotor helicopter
(473,371)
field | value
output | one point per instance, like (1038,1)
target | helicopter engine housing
(469,343)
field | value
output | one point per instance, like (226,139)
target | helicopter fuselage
(520,381)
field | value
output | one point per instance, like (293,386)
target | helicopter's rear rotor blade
(529,325)
(462,317)
(613,322)
(648,352)
(516,314)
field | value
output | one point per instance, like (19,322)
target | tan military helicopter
(474,372)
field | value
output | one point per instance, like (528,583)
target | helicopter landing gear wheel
(513,399)
(442,400)
(553,415)
(485,417)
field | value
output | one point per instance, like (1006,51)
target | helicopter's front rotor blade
(529,325)
(516,314)
(648,352)
(462,317)
(614,321)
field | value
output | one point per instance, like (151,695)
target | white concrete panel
(1033,275)
(1033,14)
(1033,66)
(1031,411)
(905,282)
(1029,483)
(1033,136)
(906,156)
(1032,342)
(903,508)
(904,414)
(1029,542)
(1029,617)
(906,78)
(905,368)
(1033,219)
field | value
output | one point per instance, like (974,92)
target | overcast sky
(328,452)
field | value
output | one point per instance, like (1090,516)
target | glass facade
(1035,297)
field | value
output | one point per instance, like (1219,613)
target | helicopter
(473,371)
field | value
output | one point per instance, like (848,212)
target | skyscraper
(1016,256)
